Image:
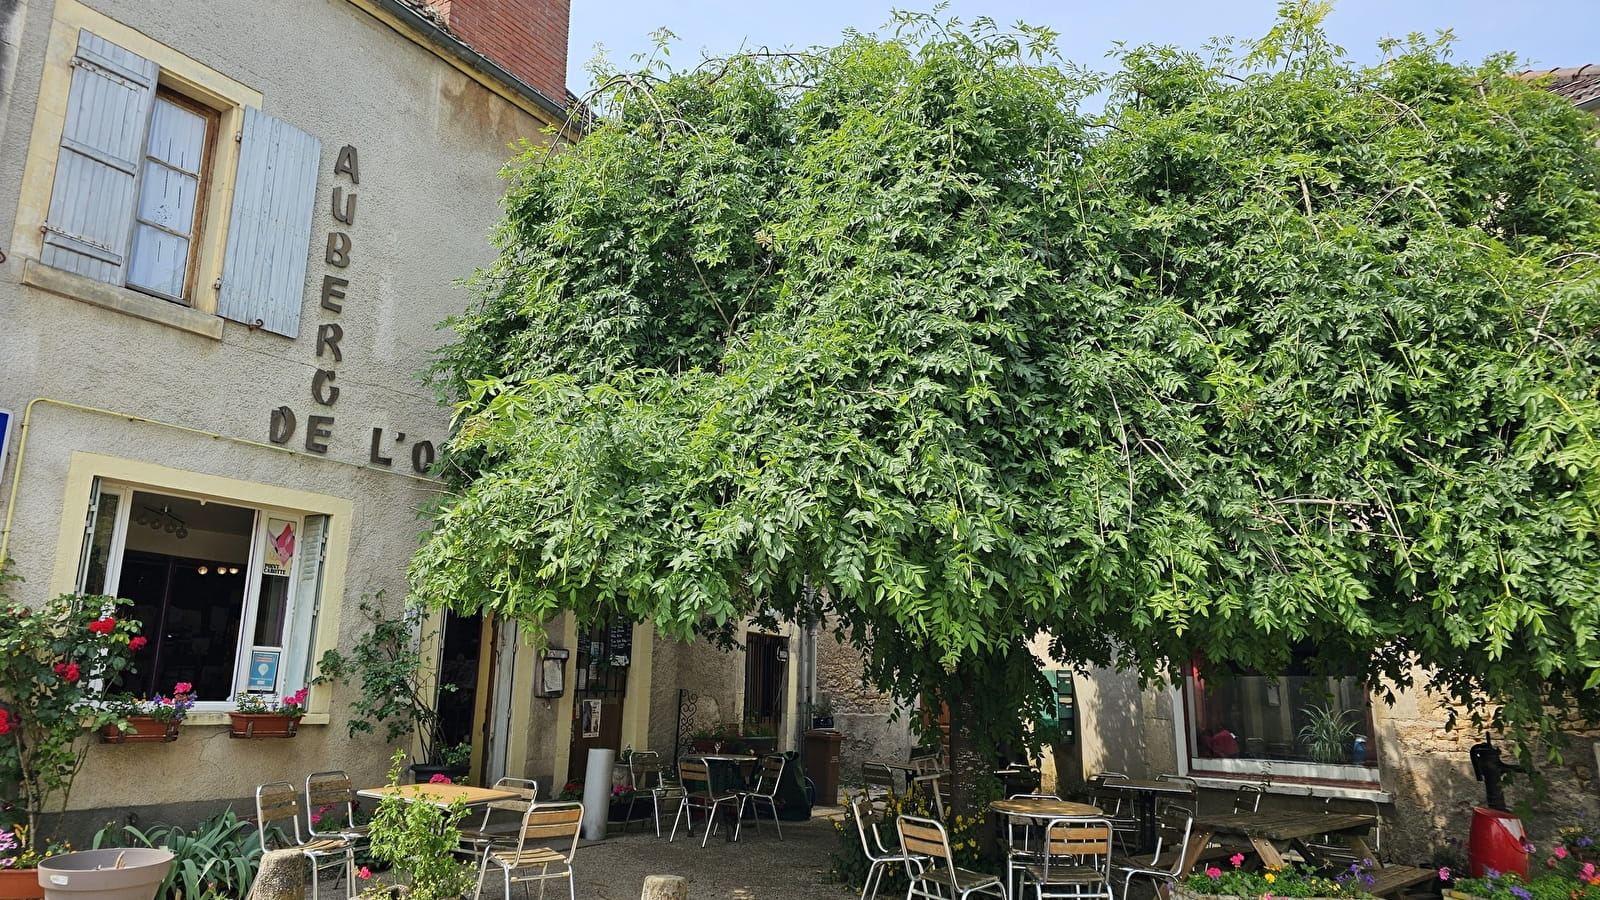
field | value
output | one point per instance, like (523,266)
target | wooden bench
(1393,880)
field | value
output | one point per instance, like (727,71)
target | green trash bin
(793,805)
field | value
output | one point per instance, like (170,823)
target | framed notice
(263,670)
(591,718)
(280,548)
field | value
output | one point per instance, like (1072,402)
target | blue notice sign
(263,670)
(5,435)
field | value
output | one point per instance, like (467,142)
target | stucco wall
(431,142)
(863,713)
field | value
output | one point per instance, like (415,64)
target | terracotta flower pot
(141,730)
(20,884)
(263,725)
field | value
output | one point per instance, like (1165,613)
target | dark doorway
(458,667)
(764,659)
(600,687)
(189,611)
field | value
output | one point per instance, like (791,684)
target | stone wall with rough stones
(863,713)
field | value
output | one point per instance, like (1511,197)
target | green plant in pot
(1327,733)
(56,663)
(419,840)
(387,663)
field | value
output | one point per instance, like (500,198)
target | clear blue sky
(1547,33)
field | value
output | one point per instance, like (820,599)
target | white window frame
(302,604)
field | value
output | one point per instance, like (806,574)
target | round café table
(1031,810)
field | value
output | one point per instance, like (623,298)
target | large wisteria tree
(1278,350)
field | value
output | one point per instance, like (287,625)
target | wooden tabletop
(901,765)
(440,794)
(1043,808)
(1152,787)
(1285,825)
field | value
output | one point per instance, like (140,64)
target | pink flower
(1237,859)
(363,872)
(1560,852)
(1587,871)
(1213,872)
(315,818)
(1444,873)
(440,778)
(137,643)
(183,687)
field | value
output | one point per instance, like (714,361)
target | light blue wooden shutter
(102,145)
(269,234)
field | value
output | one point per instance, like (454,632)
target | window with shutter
(131,190)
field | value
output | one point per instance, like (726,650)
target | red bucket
(1497,841)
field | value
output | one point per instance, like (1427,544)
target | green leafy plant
(1291,880)
(216,859)
(420,840)
(55,664)
(850,861)
(388,663)
(1327,733)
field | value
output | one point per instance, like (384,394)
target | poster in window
(591,718)
(263,670)
(279,552)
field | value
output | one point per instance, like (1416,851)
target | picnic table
(1272,833)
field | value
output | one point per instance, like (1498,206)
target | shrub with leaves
(217,858)
(850,861)
(419,841)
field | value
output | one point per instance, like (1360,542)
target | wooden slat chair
(1166,866)
(648,774)
(699,792)
(940,878)
(1075,860)
(546,828)
(331,807)
(931,776)
(879,856)
(474,841)
(765,791)
(278,818)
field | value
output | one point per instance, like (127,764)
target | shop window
(1295,726)
(226,592)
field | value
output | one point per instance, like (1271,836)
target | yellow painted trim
(564,705)
(85,467)
(179,72)
(636,703)
(405,30)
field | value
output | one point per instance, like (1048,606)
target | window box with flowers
(147,721)
(55,662)
(267,715)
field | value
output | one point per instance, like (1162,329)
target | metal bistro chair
(765,791)
(1163,801)
(545,828)
(474,841)
(1247,798)
(278,803)
(1075,860)
(879,857)
(1124,827)
(648,774)
(926,837)
(331,807)
(1020,844)
(879,780)
(930,774)
(1172,842)
(709,796)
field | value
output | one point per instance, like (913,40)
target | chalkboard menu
(620,639)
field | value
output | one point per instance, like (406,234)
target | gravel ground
(758,867)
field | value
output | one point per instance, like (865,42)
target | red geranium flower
(137,643)
(103,626)
(5,721)
(68,671)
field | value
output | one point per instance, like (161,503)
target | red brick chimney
(527,38)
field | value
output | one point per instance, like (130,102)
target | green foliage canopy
(1280,351)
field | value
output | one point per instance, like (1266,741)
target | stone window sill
(121,300)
